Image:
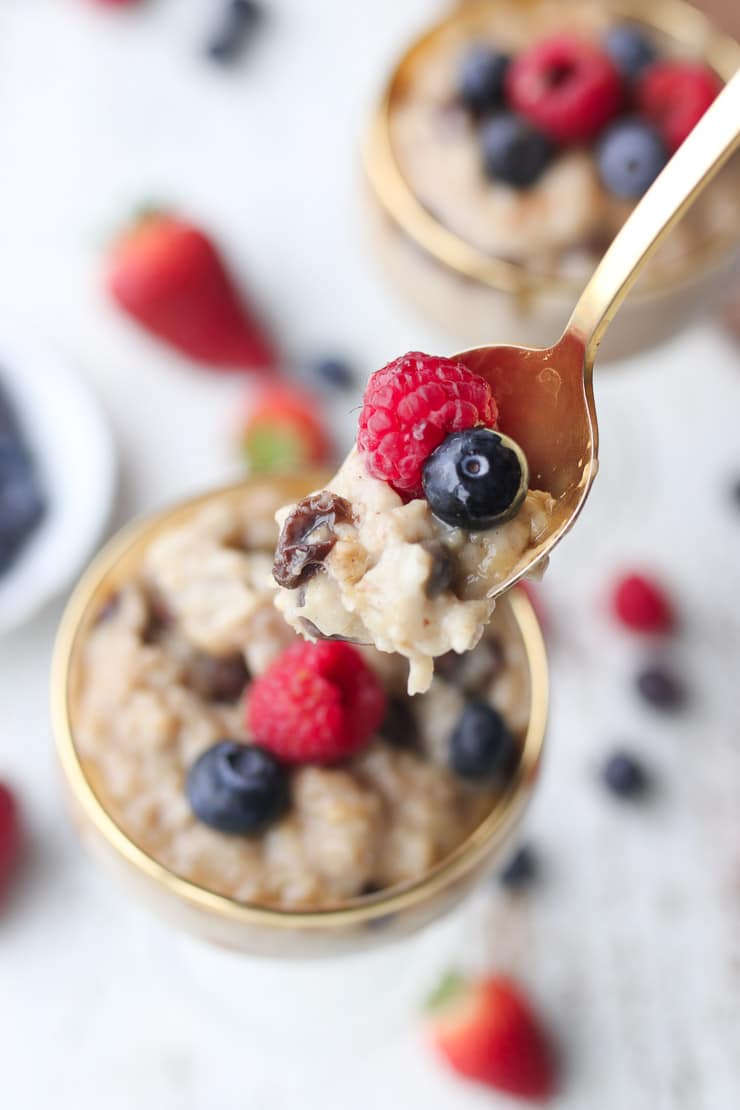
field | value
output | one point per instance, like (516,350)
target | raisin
(308,536)
(443,570)
(399,727)
(218,678)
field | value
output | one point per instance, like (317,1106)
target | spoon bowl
(545,394)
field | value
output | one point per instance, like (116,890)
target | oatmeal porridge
(172,684)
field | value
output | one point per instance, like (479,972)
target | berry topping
(674,96)
(317,703)
(334,372)
(481,79)
(624,776)
(10,836)
(521,870)
(567,88)
(481,747)
(660,688)
(237,788)
(630,156)
(475,479)
(169,276)
(284,431)
(237,24)
(513,150)
(641,604)
(630,49)
(307,537)
(487,1030)
(409,407)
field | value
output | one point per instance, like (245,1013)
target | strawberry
(169,276)
(486,1030)
(284,430)
(10,836)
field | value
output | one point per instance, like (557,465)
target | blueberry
(629,49)
(513,150)
(624,775)
(660,688)
(735,492)
(475,479)
(481,747)
(21,505)
(334,372)
(629,157)
(521,869)
(240,18)
(481,78)
(237,788)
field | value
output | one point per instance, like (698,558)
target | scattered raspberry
(409,407)
(10,838)
(674,96)
(568,88)
(486,1030)
(317,703)
(284,431)
(640,603)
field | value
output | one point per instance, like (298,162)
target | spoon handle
(707,148)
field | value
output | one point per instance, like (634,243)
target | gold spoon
(545,395)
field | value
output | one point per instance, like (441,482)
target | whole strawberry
(10,836)
(317,703)
(169,276)
(486,1030)
(284,431)
(409,407)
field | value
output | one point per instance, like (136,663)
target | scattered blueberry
(481,79)
(660,688)
(521,869)
(239,20)
(513,150)
(237,788)
(629,49)
(625,776)
(629,157)
(481,747)
(334,372)
(475,479)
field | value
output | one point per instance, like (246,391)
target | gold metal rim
(676,19)
(455,867)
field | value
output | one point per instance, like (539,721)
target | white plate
(72,444)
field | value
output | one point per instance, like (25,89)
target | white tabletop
(630,944)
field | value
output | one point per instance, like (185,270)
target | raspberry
(409,407)
(641,604)
(674,96)
(9,835)
(317,703)
(568,88)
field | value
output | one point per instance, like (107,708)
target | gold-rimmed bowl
(480,298)
(257,929)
